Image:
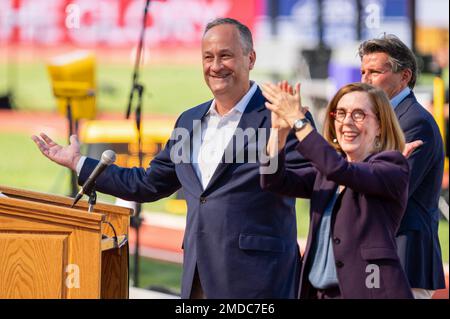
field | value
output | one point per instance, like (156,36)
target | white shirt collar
(240,106)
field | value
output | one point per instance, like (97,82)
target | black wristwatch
(300,124)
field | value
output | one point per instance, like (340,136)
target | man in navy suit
(390,65)
(240,241)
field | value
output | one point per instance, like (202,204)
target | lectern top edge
(63,201)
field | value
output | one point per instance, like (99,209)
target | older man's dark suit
(419,248)
(364,221)
(242,240)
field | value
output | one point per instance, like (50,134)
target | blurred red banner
(115,23)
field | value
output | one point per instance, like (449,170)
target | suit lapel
(404,105)
(192,124)
(197,116)
(252,119)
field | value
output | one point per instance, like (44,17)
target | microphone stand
(138,88)
(73,129)
(73,178)
(92,199)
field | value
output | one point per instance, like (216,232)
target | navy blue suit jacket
(418,242)
(243,240)
(364,220)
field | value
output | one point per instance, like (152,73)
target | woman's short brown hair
(391,135)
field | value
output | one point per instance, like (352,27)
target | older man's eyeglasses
(357,115)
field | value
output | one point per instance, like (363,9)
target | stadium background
(33,32)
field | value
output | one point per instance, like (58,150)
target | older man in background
(389,64)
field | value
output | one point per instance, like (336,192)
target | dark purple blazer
(365,218)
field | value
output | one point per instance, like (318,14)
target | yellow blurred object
(176,206)
(438,111)
(446,166)
(121,136)
(431,39)
(125,131)
(73,80)
(438,104)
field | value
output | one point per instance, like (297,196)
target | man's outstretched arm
(137,184)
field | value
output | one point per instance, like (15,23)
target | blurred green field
(169,89)
(158,275)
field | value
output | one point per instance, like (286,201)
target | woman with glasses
(357,185)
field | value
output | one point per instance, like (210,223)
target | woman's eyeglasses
(357,115)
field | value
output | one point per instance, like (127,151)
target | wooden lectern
(49,250)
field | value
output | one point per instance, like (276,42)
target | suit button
(339,264)
(336,240)
(202,200)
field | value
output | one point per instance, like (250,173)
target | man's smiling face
(226,66)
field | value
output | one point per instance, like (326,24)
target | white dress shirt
(216,132)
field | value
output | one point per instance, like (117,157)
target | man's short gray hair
(244,32)
(400,56)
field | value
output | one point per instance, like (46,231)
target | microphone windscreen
(108,157)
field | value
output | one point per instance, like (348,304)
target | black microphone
(108,157)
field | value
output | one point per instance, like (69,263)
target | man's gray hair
(244,32)
(400,56)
